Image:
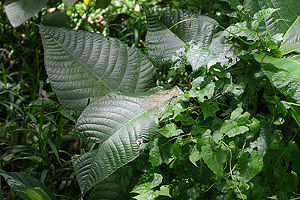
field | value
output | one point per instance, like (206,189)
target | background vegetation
(231,134)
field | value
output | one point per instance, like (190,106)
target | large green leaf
(219,51)
(107,189)
(281,20)
(69,3)
(163,43)
(291,38)
(121,124)
(21,182)
(285,20)
(18,11)
(83,66)
(102,3)
(284,73)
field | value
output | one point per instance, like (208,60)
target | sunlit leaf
(84,66)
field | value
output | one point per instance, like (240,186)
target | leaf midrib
(86,67)
(116,132)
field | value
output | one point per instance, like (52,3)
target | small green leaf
(217,136)
(231,128)
(154,154)
(177,109)
(170,130)
(146,190)
(236,113)
(255,125)
(37,194)
(37,158)
(209,110)
(214,159)
(164,191)
(250,166)
(195,155)
(202,93)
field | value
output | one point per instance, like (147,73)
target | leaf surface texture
(84,66)
(284,73)
(163,43)
(19,11)
(121,123)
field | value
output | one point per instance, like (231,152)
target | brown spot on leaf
(159,98)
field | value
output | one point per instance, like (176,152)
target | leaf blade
(284,73)
(121,123)
(19,11)
(164,39)
(84,66)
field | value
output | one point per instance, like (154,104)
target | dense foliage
(180,100)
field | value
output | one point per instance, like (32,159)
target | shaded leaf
(57,19)
(102,3)
(281,20)
(209,110)
(285,20)
(69,3)
(21,182)
(37,194)
(107,189)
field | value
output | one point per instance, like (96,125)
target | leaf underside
(121,123)
(84,66)
(19,11)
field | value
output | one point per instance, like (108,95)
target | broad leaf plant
(228,135)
